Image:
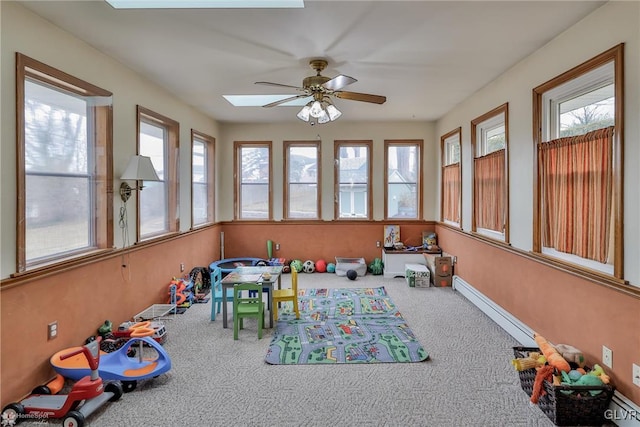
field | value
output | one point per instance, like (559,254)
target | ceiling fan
(321,88)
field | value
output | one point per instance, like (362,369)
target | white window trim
(482,129)
(448,144)
(551,99)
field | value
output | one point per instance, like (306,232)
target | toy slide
(117,365)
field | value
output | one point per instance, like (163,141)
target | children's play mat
(343,326)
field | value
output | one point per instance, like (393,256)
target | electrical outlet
(607,357)
(378,244)
(181,267)
(52,330)
(277,246)
(636,374)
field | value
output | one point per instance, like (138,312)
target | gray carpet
(216,381)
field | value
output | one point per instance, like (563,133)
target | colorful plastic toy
(119,365)
(159,331)
(88,394)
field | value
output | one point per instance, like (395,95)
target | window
(352,178)
(490,142)
(202,182)
(302,180)
(64,168)
(253,180)
(451,178)
(403,163)
(578,132)
(158,203)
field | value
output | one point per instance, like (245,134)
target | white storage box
(417,275)
(345,264)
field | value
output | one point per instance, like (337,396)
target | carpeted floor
(216,381)
(343,325)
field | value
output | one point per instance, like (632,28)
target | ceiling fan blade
(365,97)
(339,82)
(284,101)
(278,85)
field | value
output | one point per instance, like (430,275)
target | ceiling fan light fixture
(323,118)
(333,112)
(316,109)
(304,113)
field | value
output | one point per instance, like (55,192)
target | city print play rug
(343,326)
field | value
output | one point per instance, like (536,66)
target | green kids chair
(251,306)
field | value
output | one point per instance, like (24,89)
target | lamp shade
(140,168)
(333,112)
(316,109)
(304,113)
(323,117)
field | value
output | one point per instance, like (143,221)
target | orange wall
(560,306)
(315,240)
(81,299)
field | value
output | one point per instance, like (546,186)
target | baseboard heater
(622,411)
(503,318)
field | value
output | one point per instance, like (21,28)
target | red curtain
(576,182)
(451,192)
(489,191)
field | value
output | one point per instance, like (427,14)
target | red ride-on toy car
(86,396)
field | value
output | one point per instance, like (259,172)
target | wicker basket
(567,405)
(527,376)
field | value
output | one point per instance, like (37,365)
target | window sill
(596,277)
(487,237)
(55,267)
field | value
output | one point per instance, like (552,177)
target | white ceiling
(424,56)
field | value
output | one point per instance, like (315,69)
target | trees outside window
(578,133)
(158,203)
(252,162)
(403,189)
(202,178)
(64,128)
(302,180)
(353,179)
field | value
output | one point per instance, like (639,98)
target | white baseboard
(622,411)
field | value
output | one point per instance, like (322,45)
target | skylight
(260,100)
(204,4)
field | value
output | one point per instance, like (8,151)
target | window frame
(287,145)
(445,161)
(170,178)
(237,168)
(338,144)
(209,163)
(101,124)
(418,143)
(480,126)
(616,56)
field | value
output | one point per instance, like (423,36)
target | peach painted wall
(81,299)
(315,240)
(560,306)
